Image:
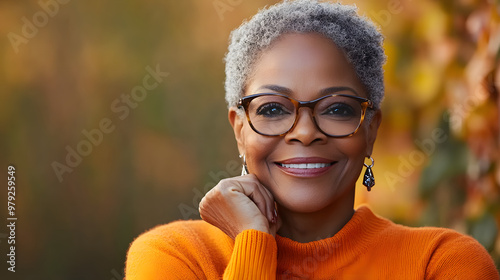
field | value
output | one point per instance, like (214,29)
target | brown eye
(272,110)
(340,110)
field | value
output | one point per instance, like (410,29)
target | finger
(271,203)
(253,191)
(273,228)
(267,196)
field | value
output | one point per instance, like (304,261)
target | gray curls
(356,36)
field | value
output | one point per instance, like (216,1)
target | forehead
(304,63)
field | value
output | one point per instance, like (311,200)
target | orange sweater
(367,247)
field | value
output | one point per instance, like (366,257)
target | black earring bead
(368,179)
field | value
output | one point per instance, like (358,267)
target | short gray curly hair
(356,36)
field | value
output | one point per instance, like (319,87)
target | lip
(305,172)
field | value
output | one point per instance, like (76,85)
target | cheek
(354,151)
(257,150)
(356,145)
(352,147)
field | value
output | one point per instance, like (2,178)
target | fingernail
(275,214)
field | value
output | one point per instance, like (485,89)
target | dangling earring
(244,170)
(368,179)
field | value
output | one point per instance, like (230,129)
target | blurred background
(113,114)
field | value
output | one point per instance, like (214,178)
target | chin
(306,198)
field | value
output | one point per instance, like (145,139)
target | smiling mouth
(304,165)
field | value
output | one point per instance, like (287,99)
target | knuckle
(225,183)
(201,205)
(215,191)
(226,186)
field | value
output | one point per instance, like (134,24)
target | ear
(372,129)
(237,122)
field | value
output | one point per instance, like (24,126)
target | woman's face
(301,66)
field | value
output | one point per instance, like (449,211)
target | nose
(305,130)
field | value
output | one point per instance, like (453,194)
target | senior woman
(304,83)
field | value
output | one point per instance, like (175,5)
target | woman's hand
(240,203)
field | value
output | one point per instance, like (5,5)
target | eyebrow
(331,90)
(277,88)
(287,91)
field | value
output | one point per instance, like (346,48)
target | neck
(307,227)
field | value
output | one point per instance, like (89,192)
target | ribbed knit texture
(367,247)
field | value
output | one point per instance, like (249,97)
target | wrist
(258,226)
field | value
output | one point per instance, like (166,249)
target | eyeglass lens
(275,115)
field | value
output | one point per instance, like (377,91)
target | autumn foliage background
(437,156)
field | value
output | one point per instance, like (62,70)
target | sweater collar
(351,240)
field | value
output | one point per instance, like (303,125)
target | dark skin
(310,204)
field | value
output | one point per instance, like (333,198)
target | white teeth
(306,165)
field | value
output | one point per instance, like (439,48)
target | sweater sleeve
(149,259)
(254,257)
(461,257)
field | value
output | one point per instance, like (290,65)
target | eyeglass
(336,115)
